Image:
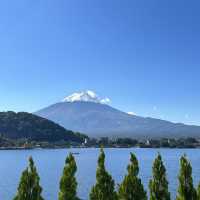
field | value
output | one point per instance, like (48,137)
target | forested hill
(25,125)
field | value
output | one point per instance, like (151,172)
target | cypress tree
(198,192)
(104,189)
(68,183)
(29,187)
(131,188)
(158,185)
(186,190)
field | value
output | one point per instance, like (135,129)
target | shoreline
(79,147)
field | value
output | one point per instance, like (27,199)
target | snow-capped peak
(86,96)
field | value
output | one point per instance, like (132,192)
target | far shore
(81,147)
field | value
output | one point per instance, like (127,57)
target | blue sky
(143,55)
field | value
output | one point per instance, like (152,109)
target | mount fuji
(87,113)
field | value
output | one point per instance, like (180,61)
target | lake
(50,164)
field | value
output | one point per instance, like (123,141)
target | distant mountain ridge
(26,125)
(100,120)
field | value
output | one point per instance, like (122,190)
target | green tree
(29,187)
(104,189)
(131,188)
(198,192)
(68,183)
(186,190)
(158,185)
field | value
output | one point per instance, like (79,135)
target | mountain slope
(97,120)
(25,125)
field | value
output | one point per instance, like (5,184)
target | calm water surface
(50,164)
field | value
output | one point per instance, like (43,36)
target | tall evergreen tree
(158,185)
(198,192)
(29,187)
(186,190)
(68,183)
(104,189)
(131,188)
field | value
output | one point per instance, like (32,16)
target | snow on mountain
(86,96)
(131,113)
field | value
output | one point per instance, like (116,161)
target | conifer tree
(68,183)
(198,192)
(104,189)
(29,187)
(131,188)
(186,190)
(158,185)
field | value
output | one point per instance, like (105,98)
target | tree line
(131,188)
(144,143)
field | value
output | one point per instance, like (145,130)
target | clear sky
(144,55)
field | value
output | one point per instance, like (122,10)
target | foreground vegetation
(131,187)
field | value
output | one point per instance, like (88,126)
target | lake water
(50,165)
